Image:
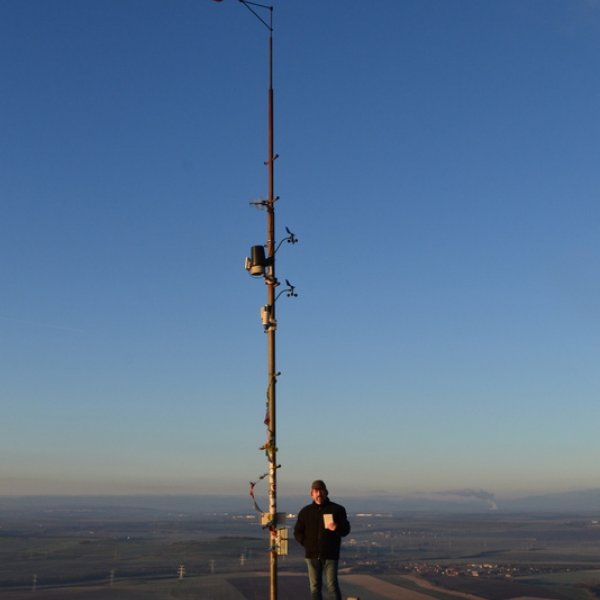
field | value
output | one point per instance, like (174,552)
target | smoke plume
(469,493)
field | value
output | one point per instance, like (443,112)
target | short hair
(318,484)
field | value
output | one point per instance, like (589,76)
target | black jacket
(310,530)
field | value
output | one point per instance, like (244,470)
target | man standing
(320,528)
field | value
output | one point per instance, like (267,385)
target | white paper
(327,520)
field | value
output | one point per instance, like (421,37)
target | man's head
(318,491)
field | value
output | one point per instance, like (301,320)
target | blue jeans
(316,569)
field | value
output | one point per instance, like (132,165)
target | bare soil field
(242,587)
(414,589)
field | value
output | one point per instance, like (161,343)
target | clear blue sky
(439,163)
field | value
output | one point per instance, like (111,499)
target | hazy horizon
(448,502)
(79,489)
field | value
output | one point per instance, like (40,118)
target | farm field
(77,553)
(235,587)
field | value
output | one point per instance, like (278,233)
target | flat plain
(94,553)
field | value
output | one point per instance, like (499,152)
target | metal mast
(271,283)
(262,264)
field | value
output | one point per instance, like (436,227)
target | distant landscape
(210,547)
(456,501)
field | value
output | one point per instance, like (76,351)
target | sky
(438,162)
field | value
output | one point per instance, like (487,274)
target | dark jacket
(310,530)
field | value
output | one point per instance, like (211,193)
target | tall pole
(270,321)
(271,364)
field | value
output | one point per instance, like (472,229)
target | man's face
(318,495)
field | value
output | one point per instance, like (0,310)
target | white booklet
(327,520)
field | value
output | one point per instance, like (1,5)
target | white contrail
(42,325)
